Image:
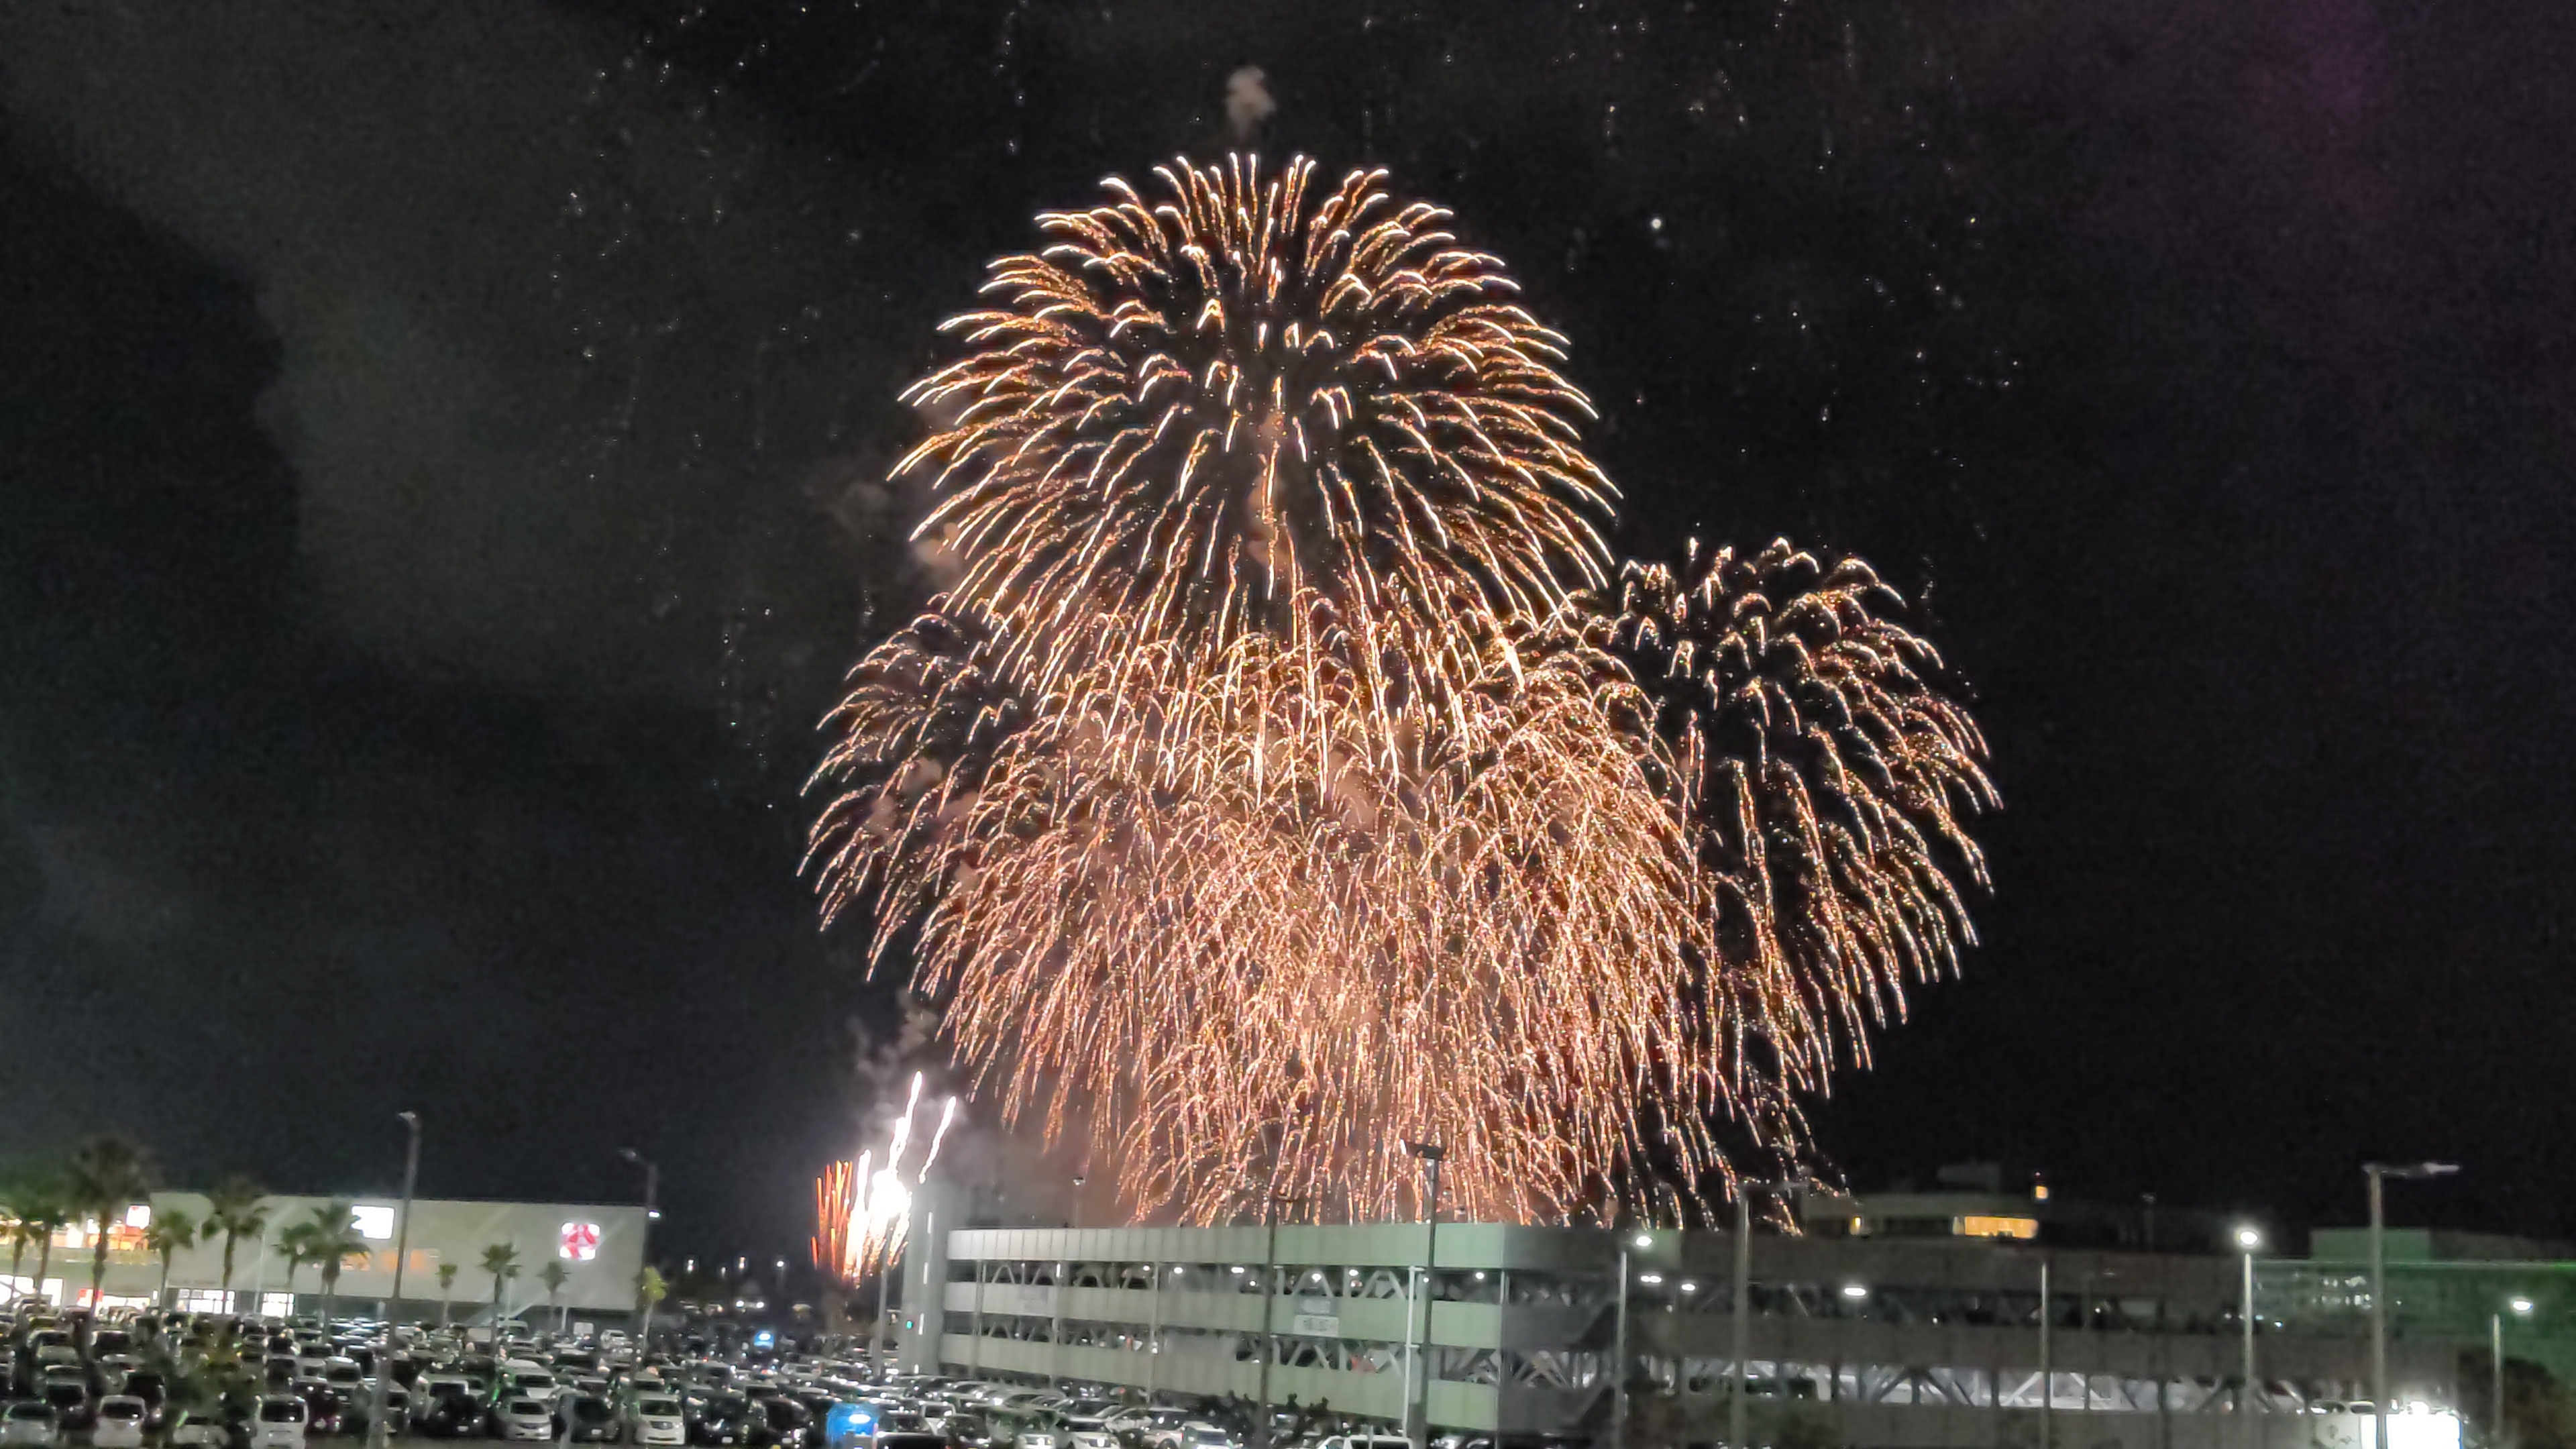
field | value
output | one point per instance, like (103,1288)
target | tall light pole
(1431,1154)
(644,1254)
(1743,1300)
(376,1427)
(2495,1365)
(1619,1346)
(2247,1240)
(2377,1173)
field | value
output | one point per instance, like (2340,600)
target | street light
(1619,1345)
(644,1253)
(1431,1154)
(2378,1173)
(376,1430)
(2495,1364)
(1743,1304)
(2247,1240)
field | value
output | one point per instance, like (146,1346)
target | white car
(199,1434)
(120,1423)
(279,1423)
(31,1422)
(524,1419)
(1035,1439)
(1092,1439)
(655,1419)
(534,1383)
(1366,1441)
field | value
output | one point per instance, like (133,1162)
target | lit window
(139,1216)
(578,1242)
(1980,1226)
(375,1224)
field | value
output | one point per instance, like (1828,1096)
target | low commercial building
(1920,1322)
(600,1245)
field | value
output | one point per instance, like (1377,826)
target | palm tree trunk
(17,1255)
(442,1310)
(98,1265)
(44,1259)
(229,1236)
(330,1287)
(496,1313)
(162,1296)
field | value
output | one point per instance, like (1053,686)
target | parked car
(655,1419)
(71,1401)
(722,1419)
(120,1423)
(278,1423)
(190,1432)
(451,1415)
(587,1419)
(522,1418)
(154,1390)
(31,1422)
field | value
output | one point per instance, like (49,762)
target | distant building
(1907,1321)
(600,1246)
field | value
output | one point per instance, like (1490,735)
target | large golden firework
(1212,410)
(1272,788)
(1829,776)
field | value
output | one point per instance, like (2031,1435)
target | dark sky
(440,458)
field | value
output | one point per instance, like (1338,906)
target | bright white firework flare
(861,1208)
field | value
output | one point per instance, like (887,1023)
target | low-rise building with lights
(1915,1321)
(599,1245)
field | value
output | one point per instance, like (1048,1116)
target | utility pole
(1619,1346)
(652,1214)
(1431,1154)
(376,1427)
(2047,1370)
(2377,1172)
(1743,1301)
(2247,1240)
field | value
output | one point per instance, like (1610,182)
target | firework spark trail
(861,1210)
(1830,776)
(1205,413)
(1280,781)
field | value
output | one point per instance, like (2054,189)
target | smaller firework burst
(860,1208)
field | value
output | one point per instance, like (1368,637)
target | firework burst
(1252,406)
(1278,783)
(1829,776)
(861,1208)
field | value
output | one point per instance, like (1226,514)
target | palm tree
(501,1260)
(446,1280)
(294,1243)
(109,1174)
(21,1233)
(553,1277)
(235,1207)
(170,1231)
(45,1211)
(649,1290)
(331,1236)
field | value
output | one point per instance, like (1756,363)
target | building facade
(1990,1334)
(601,1247)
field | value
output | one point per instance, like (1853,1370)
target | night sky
(441,457)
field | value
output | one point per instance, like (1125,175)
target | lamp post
(652,1214)
(2495,1364)
(2247,1240)
(2378,1173)
(1743,1300)
(1619,1346)
(376,1427)
(1431,1154)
